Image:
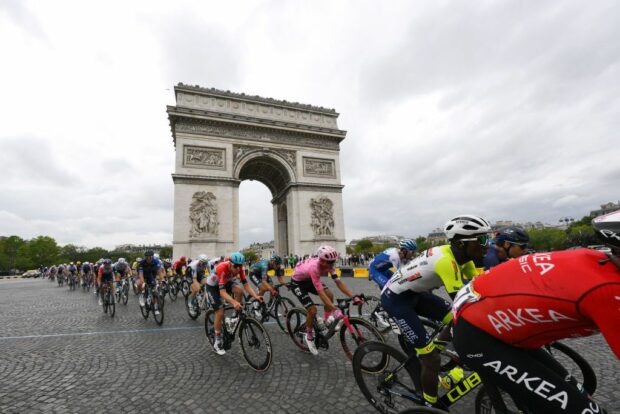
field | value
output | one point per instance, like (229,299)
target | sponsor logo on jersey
(540,261)
(610,234)
(533,384)
(514,318)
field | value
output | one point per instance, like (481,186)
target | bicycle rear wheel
(387,388)
(255,344)
(281,310)
(296,327)
(144,310)
(173,292)
(210,327)
(194,310)
(159,318)
(125,294)
(111,303)
(575,364)
(362,331)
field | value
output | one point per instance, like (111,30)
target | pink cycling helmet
(327,253)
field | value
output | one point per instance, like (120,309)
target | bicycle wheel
(145,310)
(194,310)
(158,318)
(185,290)
(388,388)
(296,327)
(362,331)
(281,310)
(575,364)
(210,327)
(365,309)
(125,294)
(255,344)
(173,292)
(111,303)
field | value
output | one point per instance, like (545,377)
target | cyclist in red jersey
(179,265)
(504,317)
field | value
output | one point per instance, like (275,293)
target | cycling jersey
(491,259)
(72,268)
(121,267)
(106,275)
(86,268)
(223,275)
(540,298)
(434,268)
(178,265)
(310,269)
(261,268)
(214,262)
(380,268)
(197,271)
(149,270)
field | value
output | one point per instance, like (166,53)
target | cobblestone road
(60,353)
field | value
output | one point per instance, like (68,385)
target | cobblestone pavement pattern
(60,353)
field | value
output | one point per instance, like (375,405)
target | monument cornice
(202,179)
(196,89)
(327,188)
(263,132)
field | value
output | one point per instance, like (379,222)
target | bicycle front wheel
(210,327)
(144,310)
(361,331)
(111,303)
(173,292)
(159,316)
(281,310)
(255,344)
(387,386)
(296,327)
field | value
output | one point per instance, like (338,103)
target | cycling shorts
(256,278)
(404,308)
(301,290)
(214,293)
(531,376)
(107,278)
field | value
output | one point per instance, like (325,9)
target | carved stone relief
(319,167)
(203,157)
(240,150)
(253,134)
(203,214)
(322,216)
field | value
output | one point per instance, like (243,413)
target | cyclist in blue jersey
(510,242)
(149,270)
(260,278)
(380,270)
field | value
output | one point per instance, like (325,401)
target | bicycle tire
(250,332)
(173,292)
(185,290)
(369,381)
(144,310)
(589,382)
(358,323)
(365,309)
(111,303)
(196,309)
(125,294)
(158,318)
(281,310)
(296,327)
(210,327)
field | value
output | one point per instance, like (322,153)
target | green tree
(43,251)
(94,254)
(250,255)
(165,252)
(581,235)
(548,239)
(11,247)
(363,246)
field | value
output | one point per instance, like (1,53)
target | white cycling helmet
(203,259)
(466,225)
(121,260)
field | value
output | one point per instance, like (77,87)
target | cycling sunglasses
(522,246)
(483,239)
(237,265)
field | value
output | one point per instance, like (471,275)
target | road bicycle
(107,299)
(169,287)
(352,330)
(276,307)
(122,291)
(253,337)
(60,279)
(150,305)
(185,285)
(72,281)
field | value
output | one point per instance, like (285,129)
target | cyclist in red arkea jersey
(504,317)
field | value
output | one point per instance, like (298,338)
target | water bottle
(455,375)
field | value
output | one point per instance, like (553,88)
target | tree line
(17,254)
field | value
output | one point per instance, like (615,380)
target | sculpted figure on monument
(203,214)
(322,216)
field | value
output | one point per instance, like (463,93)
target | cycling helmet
(121,260)
(466,225)
(607,229)
(71,263)
(156,255)
(237,258)
(327,253)
(183,259)
(276,258)
(148,253)
(512,234)
(107,262)
(204,259)
(78,263)
(408,244)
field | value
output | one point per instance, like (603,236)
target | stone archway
(222,138)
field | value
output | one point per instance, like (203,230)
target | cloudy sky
(507,109)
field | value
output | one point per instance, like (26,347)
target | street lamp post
(566,221)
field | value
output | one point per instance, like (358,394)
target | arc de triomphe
(222,138)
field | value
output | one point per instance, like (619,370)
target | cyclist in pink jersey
(307,279)
(504,318)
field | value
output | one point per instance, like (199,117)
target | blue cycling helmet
(512,234)
(408,244)
(237,258)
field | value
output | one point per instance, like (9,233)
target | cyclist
(224,282)
(105,276)
(179,266)
(214,262)
(73,271)
(135,264)
(380,270)
(121,270)
(149,270)
(408,293)
(510,242)
(260,278)
(307,279)
(504,317)
(87,273)
(198,269)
